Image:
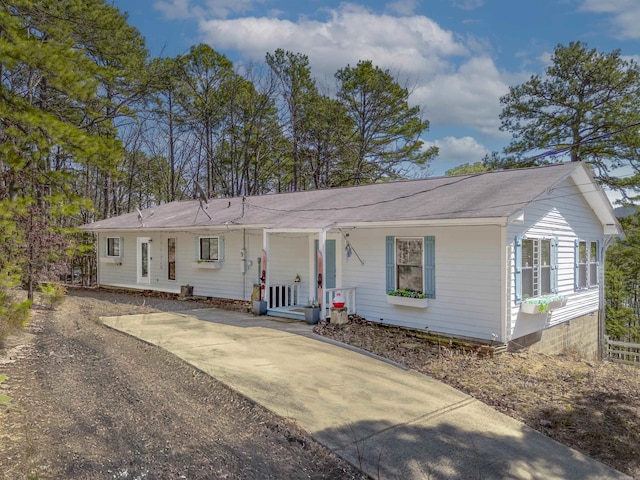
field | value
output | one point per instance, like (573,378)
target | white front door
(144,248)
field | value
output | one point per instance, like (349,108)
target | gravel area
(91,403)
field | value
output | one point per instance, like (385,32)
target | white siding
(224,282)
(468,272)
(562,213)
(288,256)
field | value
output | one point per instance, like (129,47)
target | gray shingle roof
(495,194)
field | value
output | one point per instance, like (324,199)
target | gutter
(173,228)
(445,222)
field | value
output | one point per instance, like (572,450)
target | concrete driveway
(390,422)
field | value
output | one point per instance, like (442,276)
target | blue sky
(458,56)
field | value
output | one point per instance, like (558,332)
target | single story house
(480,247)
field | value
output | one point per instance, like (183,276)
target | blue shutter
(220,249)
(554,265)
(576,264)
(517,280)
(430,267)
(390,263)
(197,254)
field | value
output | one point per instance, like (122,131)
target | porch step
(278,312)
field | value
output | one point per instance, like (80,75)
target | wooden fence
(623,352)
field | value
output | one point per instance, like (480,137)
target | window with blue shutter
(410,264)
(536,267)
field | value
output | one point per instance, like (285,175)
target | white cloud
(545,58)
(412,45)
(181,9)
(469,96)
(455,151)
(415,47)
(625,15)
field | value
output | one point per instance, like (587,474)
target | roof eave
(597,200)
(187,228)
(441,222)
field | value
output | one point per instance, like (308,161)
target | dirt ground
(91,403)
(593,407)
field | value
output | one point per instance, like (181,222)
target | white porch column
(322,243)
(265,247)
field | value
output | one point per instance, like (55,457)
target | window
(593,264)
(586,264)
(582,264)
(171,258)
(410,264)
(113,246)
(536,270)
(209,251)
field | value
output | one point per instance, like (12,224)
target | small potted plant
(297,279)
(312,312)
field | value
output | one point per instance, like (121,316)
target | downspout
(244,259)
(505,311)
(245,264)
(97,259)
(602,311)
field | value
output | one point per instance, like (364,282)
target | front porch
(313,258)
(284,301)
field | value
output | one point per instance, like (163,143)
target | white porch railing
(284,295)
(349,295)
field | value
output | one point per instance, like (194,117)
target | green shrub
(52,294)
(13,315)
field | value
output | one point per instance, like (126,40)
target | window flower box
(207,264)
(114,260)
(540,305)
(407,298)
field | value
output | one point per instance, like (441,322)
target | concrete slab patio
(390,422)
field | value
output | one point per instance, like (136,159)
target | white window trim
(200,259)
(175,259)
(106,247)
(588,284)
(395,260)
(537,285)
(518,277)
